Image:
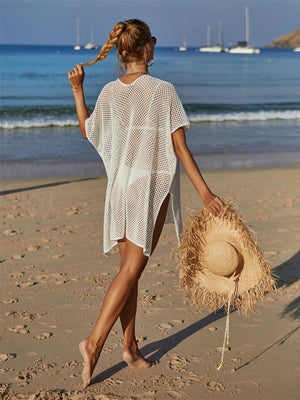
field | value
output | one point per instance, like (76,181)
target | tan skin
(121,297)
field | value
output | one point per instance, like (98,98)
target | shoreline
(206,162)
(72,178)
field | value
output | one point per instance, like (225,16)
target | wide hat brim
(246,286)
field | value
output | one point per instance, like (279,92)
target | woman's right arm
(76,77)
(212,202)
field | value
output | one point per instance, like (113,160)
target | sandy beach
(54,276)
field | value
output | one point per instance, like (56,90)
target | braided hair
(130,38)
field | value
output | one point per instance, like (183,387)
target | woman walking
(138,128)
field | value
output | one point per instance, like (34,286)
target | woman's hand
(76,76)
(213,203)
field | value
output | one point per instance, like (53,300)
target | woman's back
(131,128)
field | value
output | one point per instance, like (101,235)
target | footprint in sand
(215,386)
(20,329)
(4,371)
(140,339)
(43,367)
(177,321)
(18,256)
(43,336)
(212,329)
(10,232)
(11,300)
(26,284)
(32,247)
(164,326)
(71,364)
(24,377)
(29,267)
(7,356)
(24,315)
(177,363)
(220,349)
(16,274)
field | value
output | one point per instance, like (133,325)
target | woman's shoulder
(162,86)
(160,82)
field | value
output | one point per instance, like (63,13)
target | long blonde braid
(111,41)
(130,38)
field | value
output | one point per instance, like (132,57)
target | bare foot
(135,360)
(90,354)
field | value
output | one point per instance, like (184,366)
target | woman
(138,127)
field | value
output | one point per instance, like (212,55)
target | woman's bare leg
(119,291)
(131,353)
(114,301)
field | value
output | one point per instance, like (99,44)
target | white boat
(77,45)
(213,49)
(183,45)
(297,49)
(244,47)
(91,44)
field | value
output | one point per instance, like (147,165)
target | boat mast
(247,24)
(77,32)
(208,36)
(220,34)
(92,34)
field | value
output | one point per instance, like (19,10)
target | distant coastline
(287,41)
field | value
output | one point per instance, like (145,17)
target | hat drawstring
(226,334)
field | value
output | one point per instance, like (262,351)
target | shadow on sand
(45,185)
(287,273)
(159,348)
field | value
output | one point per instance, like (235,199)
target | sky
(54,21)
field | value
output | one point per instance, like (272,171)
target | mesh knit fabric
(131,128)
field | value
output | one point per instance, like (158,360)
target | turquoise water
(244,109)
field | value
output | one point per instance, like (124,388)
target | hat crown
(221,258)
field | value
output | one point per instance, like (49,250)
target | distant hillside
(287,41)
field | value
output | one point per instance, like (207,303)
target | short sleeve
(177,113)
(93,126)
(98,123)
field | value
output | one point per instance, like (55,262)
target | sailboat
(244,47)
(213,49)
(77,45)
(296,49)
(91,44)
(183,45)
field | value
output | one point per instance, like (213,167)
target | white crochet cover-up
(131,128)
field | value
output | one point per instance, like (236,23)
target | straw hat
(221,264)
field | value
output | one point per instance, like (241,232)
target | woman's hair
(130,38)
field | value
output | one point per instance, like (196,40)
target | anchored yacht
(244,47)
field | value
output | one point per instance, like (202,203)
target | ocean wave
(38,123)
(56,119)
(244,116)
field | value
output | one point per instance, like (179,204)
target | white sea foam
(37,123)
(245,116)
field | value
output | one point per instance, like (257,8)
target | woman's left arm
(76,77)
(212,202)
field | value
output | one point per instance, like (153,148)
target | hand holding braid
(112,40)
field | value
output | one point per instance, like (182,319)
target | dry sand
(54,276)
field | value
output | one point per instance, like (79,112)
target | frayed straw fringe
(192,274)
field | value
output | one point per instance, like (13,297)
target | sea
(244,109)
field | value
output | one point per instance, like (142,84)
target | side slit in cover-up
(131,128)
